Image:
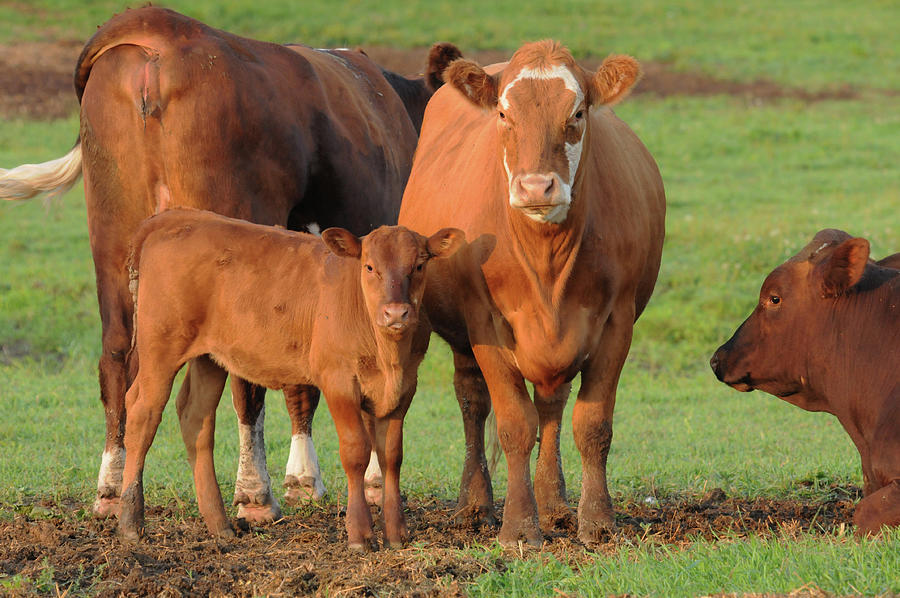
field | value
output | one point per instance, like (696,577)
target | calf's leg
(549,483)
(355,449)
(253,487)
(389,446)
(879,509)
(476,496)
(145,402)
(196,406)
(302,476)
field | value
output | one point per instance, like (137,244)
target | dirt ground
(61,550)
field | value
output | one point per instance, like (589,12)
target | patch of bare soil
(58,550)
(36,78)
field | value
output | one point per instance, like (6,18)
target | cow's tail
(53,178)
(492,443)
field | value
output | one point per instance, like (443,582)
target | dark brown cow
(564,211)
(278,308)
(825,336)
(175,113)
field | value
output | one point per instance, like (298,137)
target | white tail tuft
(54,177)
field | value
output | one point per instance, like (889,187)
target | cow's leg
(302,476)
(196,406)
(592,424)
(355,448)
(253,488)
(476,496)
(389,444)
(517,422)
(879,509)
(374,478)
(146,400)
(116,307)
(549,483)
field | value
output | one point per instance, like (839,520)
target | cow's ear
(439,58)
(342,242)
(471,80)
(844,267)
(614,79)
(445,242)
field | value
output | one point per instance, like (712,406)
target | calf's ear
(614,79)
(471,80)
(342,242)
(844,267)
(445,242)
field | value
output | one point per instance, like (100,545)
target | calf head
(392,270)
(775,348)
(541,102)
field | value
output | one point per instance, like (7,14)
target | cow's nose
(536,187)
(714,364)
(395,315)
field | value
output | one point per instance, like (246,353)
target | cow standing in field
(825,336)
(278,308)
(564,211)
(175,113)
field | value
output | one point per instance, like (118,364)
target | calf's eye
(419,267)
(774,299)
(369,268)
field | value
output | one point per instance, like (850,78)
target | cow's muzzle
(395,317)
(542,197)
(718,363)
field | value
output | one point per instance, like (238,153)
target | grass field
(748,184)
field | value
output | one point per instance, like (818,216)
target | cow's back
(175,113)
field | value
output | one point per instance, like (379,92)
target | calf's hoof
(106,507)
(596,530)
(302,489)
(560,517)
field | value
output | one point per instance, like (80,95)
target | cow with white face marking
(564,210)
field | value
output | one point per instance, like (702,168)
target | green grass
(809,43)
(748,184)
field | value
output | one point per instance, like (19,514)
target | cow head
(392,269)
(541,102)
(774,349)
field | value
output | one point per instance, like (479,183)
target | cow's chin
(554,212)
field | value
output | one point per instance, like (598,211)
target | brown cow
(825,336)
(175,113)
(278,308)
(564,210)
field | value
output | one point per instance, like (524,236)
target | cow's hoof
(477,517)
(302,489)
(526,531)
(595,532)
(560,518)
(253,514)
(367,545)
(105,508)
(129,535)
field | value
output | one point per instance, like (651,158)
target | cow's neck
(547,253)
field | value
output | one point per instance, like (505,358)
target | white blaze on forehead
(545,74)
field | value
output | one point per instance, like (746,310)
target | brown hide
(528,297)
(175,113)
(824,336)
(278,308)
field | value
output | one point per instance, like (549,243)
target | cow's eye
(369,268)
(774,299)
(419,267)
(579,114)
(502,115)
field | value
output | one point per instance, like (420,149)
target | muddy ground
(54,548)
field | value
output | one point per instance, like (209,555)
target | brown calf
(279,309)
(825,336)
